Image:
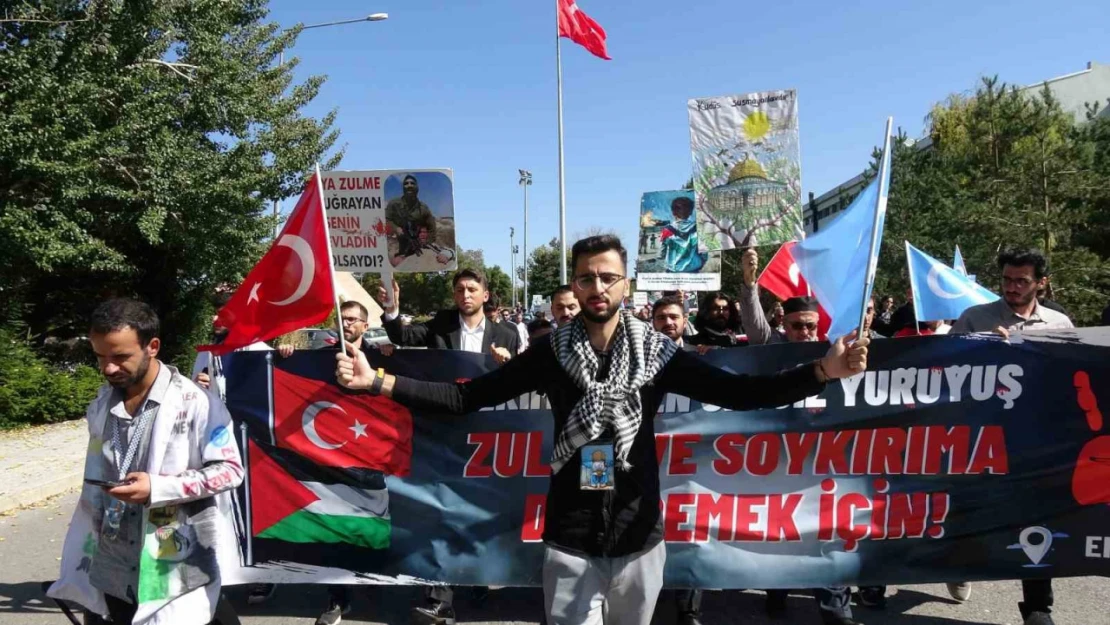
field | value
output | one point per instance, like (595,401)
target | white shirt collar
(479,329)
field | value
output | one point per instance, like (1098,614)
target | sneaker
(333,615)
(260,593)
(435,614)
(960,592)
(872,598)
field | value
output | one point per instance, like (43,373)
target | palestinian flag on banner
(296,500)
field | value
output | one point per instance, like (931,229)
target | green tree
(1004,168)
(140,145)
(424,293)
(500,286)
(543,269)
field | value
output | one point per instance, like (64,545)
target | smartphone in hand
(103,483)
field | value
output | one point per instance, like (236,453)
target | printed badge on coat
(597,466)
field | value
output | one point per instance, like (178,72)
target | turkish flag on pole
(581,28)
(334,428)
(290,288)
(784,279)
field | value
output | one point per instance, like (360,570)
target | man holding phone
(143,544)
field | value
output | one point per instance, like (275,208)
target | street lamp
(373,17)
(512,264)
(525,181)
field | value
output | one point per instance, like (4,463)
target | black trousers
(1038,596)
(119,611)
(688,601)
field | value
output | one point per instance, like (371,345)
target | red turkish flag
(784,279)
(337,428)
(290,288)
(581,28)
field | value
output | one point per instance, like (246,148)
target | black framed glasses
(608,280)
(352,320)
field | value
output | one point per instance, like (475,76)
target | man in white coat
(148,532)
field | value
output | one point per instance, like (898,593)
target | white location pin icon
(1035,552)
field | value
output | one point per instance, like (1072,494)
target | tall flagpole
(880,208)
(562,198)
(331,267)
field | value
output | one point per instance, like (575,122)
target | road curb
(53,487)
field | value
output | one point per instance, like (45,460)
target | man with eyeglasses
(800,321)
(1024,272)
(605,375)
(715,322)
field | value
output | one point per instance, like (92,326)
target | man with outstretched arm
(605,375)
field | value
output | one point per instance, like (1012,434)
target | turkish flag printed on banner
(581,28)
(334,428)
(290,288)
(784,279)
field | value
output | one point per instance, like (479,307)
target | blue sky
(471,86)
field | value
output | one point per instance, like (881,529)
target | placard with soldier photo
(391,220)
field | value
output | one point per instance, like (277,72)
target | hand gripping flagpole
(331,266)
(880,208)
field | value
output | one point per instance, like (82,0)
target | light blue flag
(958,265)
(958,262)
(941,292)
(838,262)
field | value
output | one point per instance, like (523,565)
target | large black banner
(952,458)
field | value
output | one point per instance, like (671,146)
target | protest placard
(385,221)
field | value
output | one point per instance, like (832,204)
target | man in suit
(464,328)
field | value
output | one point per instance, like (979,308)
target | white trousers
(594,591)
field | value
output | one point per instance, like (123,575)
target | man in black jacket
(605,375)
(464,328)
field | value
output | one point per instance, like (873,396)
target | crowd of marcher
(604,368)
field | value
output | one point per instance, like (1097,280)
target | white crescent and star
(794,272)
(308,424)
(933,281)
(359,429)
(308,266)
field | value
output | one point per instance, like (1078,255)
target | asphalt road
(31,543)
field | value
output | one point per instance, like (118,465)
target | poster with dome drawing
(747,169)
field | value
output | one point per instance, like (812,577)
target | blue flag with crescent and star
(941,292)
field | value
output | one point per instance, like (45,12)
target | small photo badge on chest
(597,467)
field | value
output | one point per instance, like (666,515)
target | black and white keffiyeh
(638,353)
